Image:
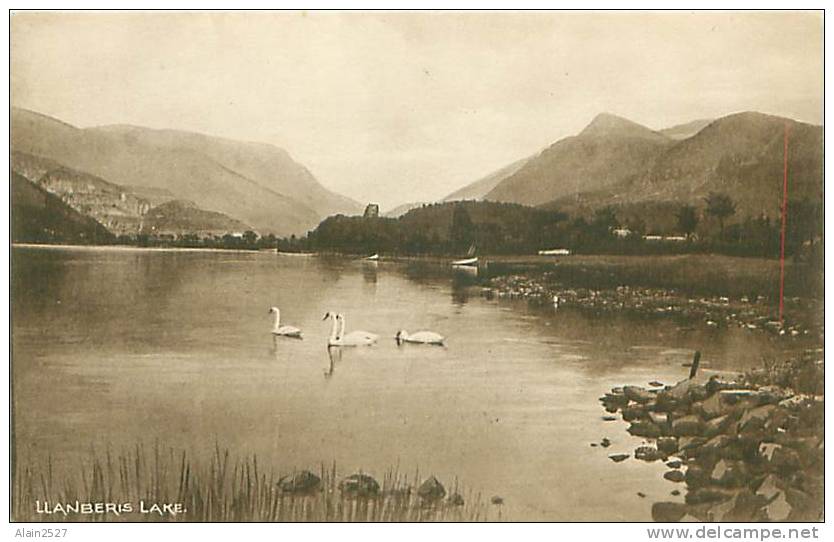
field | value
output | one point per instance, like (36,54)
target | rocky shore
(752,314)
(746,448)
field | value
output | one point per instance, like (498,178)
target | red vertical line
(784,223)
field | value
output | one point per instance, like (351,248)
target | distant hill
(480,188)
(178,216)
(741,155)
(41,217)
(256,183)
(113,206)
(608,151)
(400,210)
(685,130)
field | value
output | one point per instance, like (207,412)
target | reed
(222,488)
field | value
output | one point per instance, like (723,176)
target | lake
(116,346)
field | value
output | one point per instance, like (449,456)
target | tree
(250,237)
(687,220)
(463,231)
(721,206)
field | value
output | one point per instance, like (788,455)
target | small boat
(470,259)
(466,261)
(372,258)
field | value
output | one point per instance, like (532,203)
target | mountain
(741,155)
(113,206)
(41,217)
(256,183)
(608,151)
(686,130)
(178,216)
(480,188)
(400,210)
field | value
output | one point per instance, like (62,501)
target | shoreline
(748,447)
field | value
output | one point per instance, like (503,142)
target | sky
(397,107)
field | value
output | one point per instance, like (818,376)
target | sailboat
(470,260)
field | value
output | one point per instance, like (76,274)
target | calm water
(116,346)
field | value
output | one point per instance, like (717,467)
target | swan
(278,329)
(421,337)
(354,338)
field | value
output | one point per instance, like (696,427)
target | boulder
(696,477)
(674,463)
(666,512)
(617,458)
(638,394)
(687,426)
(633,412)
(301,483)
(660,418)
(708,495)
(674,476)
(431,490)
(754,419)
(769,487)
(743,507)
(730,473)
(667,445)
(359,486)
(644,428)
(711,407)
(648,453)
(717,425)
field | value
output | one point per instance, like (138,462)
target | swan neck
(277,318)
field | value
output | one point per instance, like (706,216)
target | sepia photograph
(417,266)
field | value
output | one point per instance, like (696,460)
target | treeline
(502,228)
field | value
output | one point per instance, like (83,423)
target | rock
(641,494)
(755,418)
(668,512)
(605,443)
(667,445)
(359,486)
(496,500)
(696,477)
(717,425)
(431,490)
(638,394)
(674,476)
(707,495)
(687,426)
(714,446)
(660,418)
(455,499)
(616,458)
(674,492)
(711,407)
(744,506)
(778,509)
(769,487)
(648,453)
(785,460)
(656,384)
(730,473)
(301,483)
(633,412)
(644,428)
(609,418)
(688,443)
(674,463)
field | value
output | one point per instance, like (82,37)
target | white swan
(278,329)
(354,338)
(421,337)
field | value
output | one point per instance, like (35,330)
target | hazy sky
(398,107)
